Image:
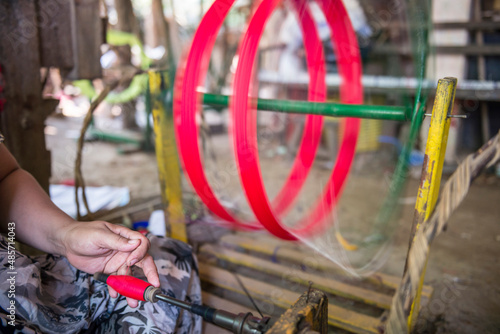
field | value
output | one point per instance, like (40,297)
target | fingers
(127,237)
(129,248)
(116,241)
(120,271)
(126,240)
(132,302)
(139,253)
(149,268)
(124,232)
(125,270)
(112,292)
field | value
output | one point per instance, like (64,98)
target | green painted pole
(392,113)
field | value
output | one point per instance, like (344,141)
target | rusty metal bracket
(309,314)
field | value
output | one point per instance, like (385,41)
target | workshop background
(74,91)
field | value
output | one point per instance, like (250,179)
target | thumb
(120,243)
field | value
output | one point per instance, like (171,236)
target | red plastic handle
(128,286)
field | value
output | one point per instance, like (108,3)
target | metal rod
(393,113)
(173,301)
(450,116)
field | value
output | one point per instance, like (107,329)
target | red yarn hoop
(186,101)
(245,138)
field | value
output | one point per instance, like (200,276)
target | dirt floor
(464,267)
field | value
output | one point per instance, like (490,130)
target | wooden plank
(467,50)
(278,297)
(298,276)
(469,25)
(282,251)
(87,38)
(480,25)
(54,27)
(224,304)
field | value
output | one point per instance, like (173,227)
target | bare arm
(24,202)
(89,246)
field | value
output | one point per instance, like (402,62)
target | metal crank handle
(132,287)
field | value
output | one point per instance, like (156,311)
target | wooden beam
(282,251)
(274,296)
(469,50)
(471,26)
(329,285)
(480,25)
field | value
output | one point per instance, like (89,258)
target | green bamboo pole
(392,113)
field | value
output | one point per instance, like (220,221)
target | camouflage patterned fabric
(51,296)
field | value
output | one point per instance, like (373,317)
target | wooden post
(166,156)
(432,169)
(22,121)
(127,22)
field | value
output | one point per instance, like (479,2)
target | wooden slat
(54,30)
(337,316)
(481,25)
(224,304)
(87,37)
(468,50)
(471,25)
(326,284)
(282,251)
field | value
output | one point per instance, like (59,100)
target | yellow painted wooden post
(432,169)
(166,157)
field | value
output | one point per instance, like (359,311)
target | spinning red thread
(192,74)
(194,68)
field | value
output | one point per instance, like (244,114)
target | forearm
(38,222)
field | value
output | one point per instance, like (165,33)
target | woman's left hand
(112,249)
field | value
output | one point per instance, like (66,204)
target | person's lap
(51,296)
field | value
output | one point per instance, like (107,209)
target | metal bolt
(309,291)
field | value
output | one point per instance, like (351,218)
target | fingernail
(132,262)
(133,241)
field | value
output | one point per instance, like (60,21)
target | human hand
(112,249)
